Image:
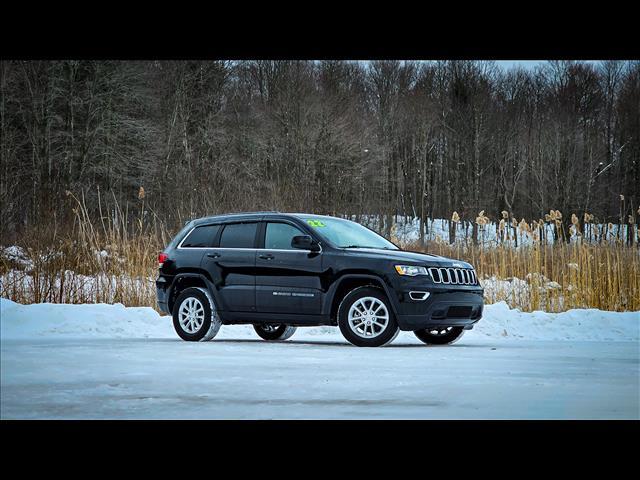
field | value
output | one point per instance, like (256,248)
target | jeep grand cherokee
(279,271)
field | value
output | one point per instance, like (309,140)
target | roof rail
(248,213)
(239,213)
(231,214)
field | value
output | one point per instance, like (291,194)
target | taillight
(162,257)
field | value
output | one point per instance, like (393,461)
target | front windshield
(347,234)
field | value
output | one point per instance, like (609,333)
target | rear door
(287,279)
(231,264)
(191,249)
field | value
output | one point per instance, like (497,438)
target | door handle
(213,255)
(267,256)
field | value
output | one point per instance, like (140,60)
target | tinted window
(201,236)
(279,236)
(238,235)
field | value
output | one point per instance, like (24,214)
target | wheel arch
(349,282)
(187,280)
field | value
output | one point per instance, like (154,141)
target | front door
(287,279)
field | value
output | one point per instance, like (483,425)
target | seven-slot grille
(453,276)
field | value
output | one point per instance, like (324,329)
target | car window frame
(263,236)
(244,222)
(299,225)
(214,242)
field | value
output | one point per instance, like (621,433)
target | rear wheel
(365,318)
(195,317)
(274,332)
(440,335)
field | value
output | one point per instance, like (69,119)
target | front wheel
(440,335)
(365,318)
(274,332)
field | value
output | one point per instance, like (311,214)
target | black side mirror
(305,242)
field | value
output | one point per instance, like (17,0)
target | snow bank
(81,321)
(580,324)
(46,320)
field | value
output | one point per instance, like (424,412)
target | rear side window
(238,235)
(279,235)
(201,237)
(175,241)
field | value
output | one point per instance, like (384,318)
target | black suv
(279,271)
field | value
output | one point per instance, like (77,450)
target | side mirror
(305,242)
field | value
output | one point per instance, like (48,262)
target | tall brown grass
(114,259)
(555,277)
(593,270)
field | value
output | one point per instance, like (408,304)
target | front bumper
(442,308)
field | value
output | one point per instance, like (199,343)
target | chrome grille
(453,276)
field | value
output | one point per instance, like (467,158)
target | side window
(201,237)
(279,235)
(238,235)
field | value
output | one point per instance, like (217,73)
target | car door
(231,264)
(192,248)
(288,280)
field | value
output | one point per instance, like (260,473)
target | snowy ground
(108,361)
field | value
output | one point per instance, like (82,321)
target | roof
(254,216)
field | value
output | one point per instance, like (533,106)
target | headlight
(411,270)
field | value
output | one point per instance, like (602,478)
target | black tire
(274,332)
(210,323)
(445,335)
(380,337)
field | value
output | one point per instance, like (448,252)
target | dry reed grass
(110,261)
(104,261)
(559,277)
(580,274)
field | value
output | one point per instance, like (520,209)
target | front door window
(279,235)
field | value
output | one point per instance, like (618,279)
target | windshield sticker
(315,223)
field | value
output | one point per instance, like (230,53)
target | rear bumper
(442,309)
(162,291)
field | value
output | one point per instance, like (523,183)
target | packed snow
(111,361)
(48,320)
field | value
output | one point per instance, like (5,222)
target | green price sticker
(315,223)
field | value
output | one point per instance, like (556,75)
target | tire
(274,332)
(444,335)
(205,321)
(365,300)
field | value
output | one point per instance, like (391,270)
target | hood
(425,259)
